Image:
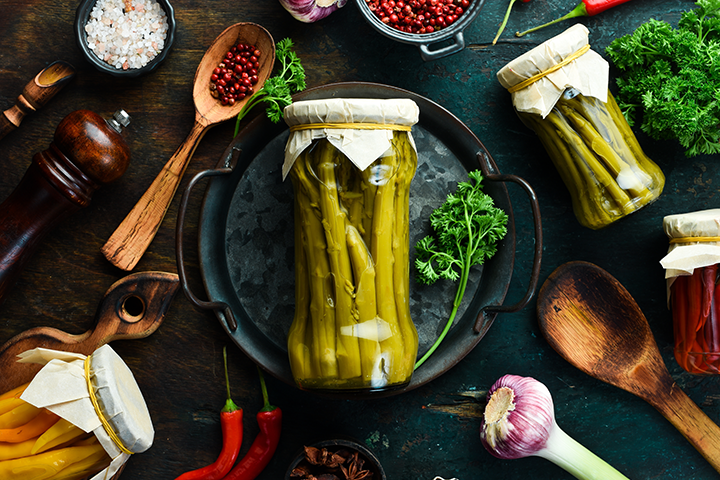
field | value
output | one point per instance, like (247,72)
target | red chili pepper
(713,334)
(695,308)
(709,273)
(586,8)
(679,303)
(505,20)
(231,422)
(269,420)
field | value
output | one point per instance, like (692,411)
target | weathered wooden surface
(179,367)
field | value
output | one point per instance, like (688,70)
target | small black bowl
(81,18)
(426,41)
(371,461)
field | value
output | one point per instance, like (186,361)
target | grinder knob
(86,152)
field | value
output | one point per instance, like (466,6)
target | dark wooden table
(179,367)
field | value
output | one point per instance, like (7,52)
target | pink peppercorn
(418,16)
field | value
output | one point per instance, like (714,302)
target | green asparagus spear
(322,313)
(334,221)
(400,249)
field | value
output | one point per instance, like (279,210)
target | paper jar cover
(684,258)
(589,73)
(61,387)
(362,147)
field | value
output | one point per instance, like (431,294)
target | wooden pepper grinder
(86,152)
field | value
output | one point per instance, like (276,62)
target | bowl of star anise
(336,460)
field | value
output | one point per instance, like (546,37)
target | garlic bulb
(309,11)
(519,421)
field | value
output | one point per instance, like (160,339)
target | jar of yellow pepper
(560,91)
(80,417)
(351,162)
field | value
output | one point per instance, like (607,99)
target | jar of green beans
(351,162)
(560,91)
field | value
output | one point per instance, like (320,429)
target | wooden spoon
(589,318)
(128,243)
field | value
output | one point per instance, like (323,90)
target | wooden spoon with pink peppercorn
(128,243)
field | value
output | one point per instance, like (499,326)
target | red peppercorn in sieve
(418,16)
(236,75)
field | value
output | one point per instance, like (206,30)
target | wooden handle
(128,243)
(133,307)
(6,126)
(693,423)
(36,94)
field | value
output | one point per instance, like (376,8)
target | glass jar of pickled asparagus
(560,91)
(691,272)
(81,417)
(351,162)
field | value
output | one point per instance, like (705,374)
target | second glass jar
(598,158)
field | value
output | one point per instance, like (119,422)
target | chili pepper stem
(578,11)
(230,406)
(267,407)
(504,22)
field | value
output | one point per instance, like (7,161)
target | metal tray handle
(488,313)
(225,167)
(457,45)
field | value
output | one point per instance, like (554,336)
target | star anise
(323,464)
(301,471)
(323,457)
(354,470)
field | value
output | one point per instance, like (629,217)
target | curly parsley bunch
(672,76)
(468,227)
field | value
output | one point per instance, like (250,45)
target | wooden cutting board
(133,307)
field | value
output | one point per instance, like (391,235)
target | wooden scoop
(589,318)
(128,243)
(36,94)
(133,307)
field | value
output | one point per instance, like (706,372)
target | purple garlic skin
(518,418)
(309,11)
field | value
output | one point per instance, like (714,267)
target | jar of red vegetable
(691,270)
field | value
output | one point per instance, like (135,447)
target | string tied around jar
(550,70)
(105,423)
(354,126)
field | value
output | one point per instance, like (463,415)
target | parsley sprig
(278,90)
(672,78)
(467,227)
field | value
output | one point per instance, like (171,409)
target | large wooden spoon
(128,243)
(592,321)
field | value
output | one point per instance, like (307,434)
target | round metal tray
(246,238)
